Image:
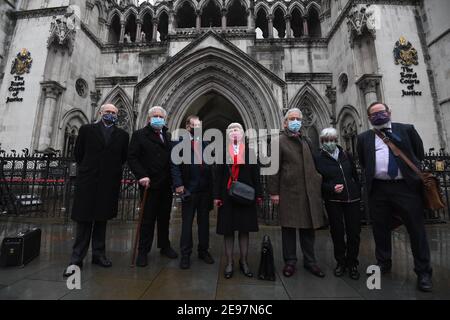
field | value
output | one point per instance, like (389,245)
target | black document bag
(20,249)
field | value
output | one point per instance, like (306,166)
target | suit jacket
(149,157)
(99,166)
(411,144)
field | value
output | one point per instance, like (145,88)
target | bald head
(108,108)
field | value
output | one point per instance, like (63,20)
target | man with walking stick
(100,152)
(149,160)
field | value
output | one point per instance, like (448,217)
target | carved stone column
(122,31)
(198,20)
(51,92)
(270,25)
(251,19)
(95,98)
(224,19)
(155,29)
(330,93)
(171,27)
(305,26)
(138,30)
(369,84)
(287,18)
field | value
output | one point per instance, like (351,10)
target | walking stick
(138,231)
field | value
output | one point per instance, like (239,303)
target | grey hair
(107,104)
(157,108)
(234,125)
(328,133)
(286,116)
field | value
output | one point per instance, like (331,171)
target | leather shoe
(288,270)
(66,272)
(354,273)
(185,262)
(142,260)
(315,270)
(424,282)
(339,270)
(205,256)
(245,269)
(102,262)
(169,253)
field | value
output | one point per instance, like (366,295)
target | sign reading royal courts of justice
(20,65)
(406,56)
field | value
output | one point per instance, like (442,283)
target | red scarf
(238,159)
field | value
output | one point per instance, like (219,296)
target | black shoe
(228,272)
(185,262)
(339,270)
(169,253)
(102,261)
(245,269)
(205,256)
(142,260)
(67,274)
(424,282)
(384,268)
(315,270)
(354,273)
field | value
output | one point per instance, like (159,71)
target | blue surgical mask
(294,125)
(157,123)
(109,118)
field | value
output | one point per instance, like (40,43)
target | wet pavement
(163,279)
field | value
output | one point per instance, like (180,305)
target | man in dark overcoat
(100,152)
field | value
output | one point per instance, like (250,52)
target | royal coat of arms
(22,63)
(405,53)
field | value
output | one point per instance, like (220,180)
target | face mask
(235,135)
(157,123)
(109,118)
(294,125)
(329,146)
(379,118)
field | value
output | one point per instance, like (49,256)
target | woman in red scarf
(233,216)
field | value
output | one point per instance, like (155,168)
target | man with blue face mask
(100,152)
(296,188)
(394,188)
(149,160)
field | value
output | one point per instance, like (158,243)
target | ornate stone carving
(22,63)
(62,31)
(405,53)
(360,20)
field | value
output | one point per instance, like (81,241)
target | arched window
(147,27)
(236,15)
(70,136)
(163,26)
(349,133)
(296,23)
(211,16)
(130,29)
(114,30)
(314,28)
(279,23)
(261,22)
(186,16)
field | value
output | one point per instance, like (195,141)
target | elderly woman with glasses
(341,191)
(232,215)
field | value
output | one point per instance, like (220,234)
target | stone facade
(232,60)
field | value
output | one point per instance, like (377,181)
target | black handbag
(240,192)
(266,265)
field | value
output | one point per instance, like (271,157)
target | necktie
(392,164)
(161,135)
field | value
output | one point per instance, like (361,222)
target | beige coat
(298,184)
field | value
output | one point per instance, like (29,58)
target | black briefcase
(267,264)
(20,249)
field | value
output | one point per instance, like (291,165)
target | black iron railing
(43,186)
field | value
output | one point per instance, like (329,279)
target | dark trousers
(157,210)
(199,202)
(345,222)
(289,241)
(86,230)
(388,198)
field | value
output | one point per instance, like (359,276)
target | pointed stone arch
(263,6)
(146,10)
(162,9)
(203,3)
(314,108)
(130,11)
(280,5)
(112,13)
(349,125)
(314,5)
(296,5)
(242,2)
(180,3)
(68,130)
(118,97)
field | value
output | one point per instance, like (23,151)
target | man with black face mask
(193,181)
(100,152)
(394,188)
